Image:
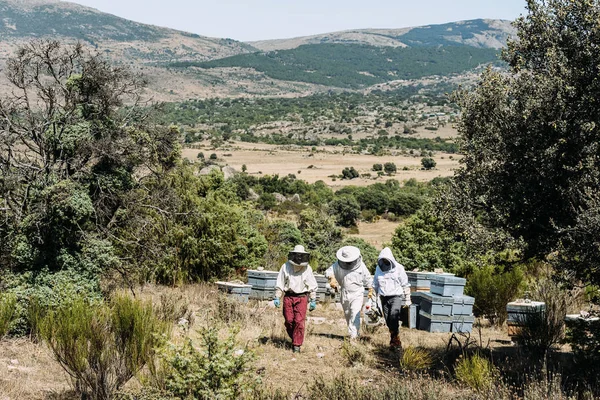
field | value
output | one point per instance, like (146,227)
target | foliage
(423,242)
(476,372)
(428,163)
(345,209)
(584,338)
(493,286)
(377,167)
(215,370)
(281,237)
(321,236)
(389,168)
(80,154)
(339,64)
(531,139)
(349,173)
(544,331)
(415,359)
(8,305)
(353,353)
(103,346)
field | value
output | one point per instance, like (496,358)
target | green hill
(355,66)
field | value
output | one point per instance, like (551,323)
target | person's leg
(353,316)
(300,306)
(393,320)
(288,315)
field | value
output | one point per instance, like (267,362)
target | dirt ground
(378,234)
(28,371)
(265,159)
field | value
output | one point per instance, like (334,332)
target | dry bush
(353,353)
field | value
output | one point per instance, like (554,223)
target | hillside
(481,33)
(354,66)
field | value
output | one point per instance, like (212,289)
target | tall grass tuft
(415,359)
(353,354)
(476,372)
(103,346)
(8,306)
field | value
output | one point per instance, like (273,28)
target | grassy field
(28,371)
(311,166)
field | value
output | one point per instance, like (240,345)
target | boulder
(209,169)
(295,198)
(229,172)
(252,195)
(279,197)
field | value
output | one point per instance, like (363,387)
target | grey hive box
(262,279)
(434,323)
(462,323)
(448,285)
(235,291)
(518,311)
(463,305)
(436,305)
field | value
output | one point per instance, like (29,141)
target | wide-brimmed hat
(299,249)
(348,254)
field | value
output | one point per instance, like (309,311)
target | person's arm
(368,281)
(376,283)
(280,284)
(329,274)
(311,283)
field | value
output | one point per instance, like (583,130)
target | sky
(277,19)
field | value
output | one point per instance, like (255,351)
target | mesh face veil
(299,258)
(349,265)
(384,264)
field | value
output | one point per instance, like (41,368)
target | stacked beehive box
(518,312)
(444,308)
(262,283)
(237,291)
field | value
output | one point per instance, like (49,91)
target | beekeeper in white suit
(350,276)
(391,285)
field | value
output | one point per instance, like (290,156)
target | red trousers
(294,312)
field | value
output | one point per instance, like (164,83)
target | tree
(345,209)
(349,173)
(389,168)
(70,151)
(377,167)
(428,163)
(531,140)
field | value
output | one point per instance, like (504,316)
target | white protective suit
(351,284)
(393,282)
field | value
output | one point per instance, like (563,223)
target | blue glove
(312,305)
(276,302)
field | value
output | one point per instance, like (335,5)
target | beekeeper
(350,276)
(392,287)
(297,282)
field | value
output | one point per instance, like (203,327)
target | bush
(213,156)
(415,360)
(377,167)
(8,313)
(476,372)
(584,338)
(103,346)
(389,168)
(428,163)
(543,331)
(345,209)
(493,288)
(216,370)
(200,156)
(353,354)
(349,173)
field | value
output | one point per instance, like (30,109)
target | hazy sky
(276,19)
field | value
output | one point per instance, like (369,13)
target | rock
(320,355)
(209,169)
(229,172)
(238,352)
(252,195)
(279,197)
(295,198)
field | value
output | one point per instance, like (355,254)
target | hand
(312,305)
(371,294)
(333,283)
(276,302)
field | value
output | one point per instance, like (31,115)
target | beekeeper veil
(298,257)
(349,257)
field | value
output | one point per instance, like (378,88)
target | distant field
(327,160)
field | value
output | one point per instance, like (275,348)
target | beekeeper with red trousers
(350,276)
(299,287)
(391,285)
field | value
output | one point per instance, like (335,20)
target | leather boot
(395,341)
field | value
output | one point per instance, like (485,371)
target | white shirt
(296,280)
(393,282)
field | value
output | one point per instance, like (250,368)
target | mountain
(480,33)
(121,38)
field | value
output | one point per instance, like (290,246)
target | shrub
(377,167)
(8,314)
(213,156)
(353,354)
(200,156)
(415,359)
(544,330)
(350,173)
(584,338)
(103,346)
(476,372)
(216,370)
(492,288)
(389,168)
(345,209)
(428,163)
